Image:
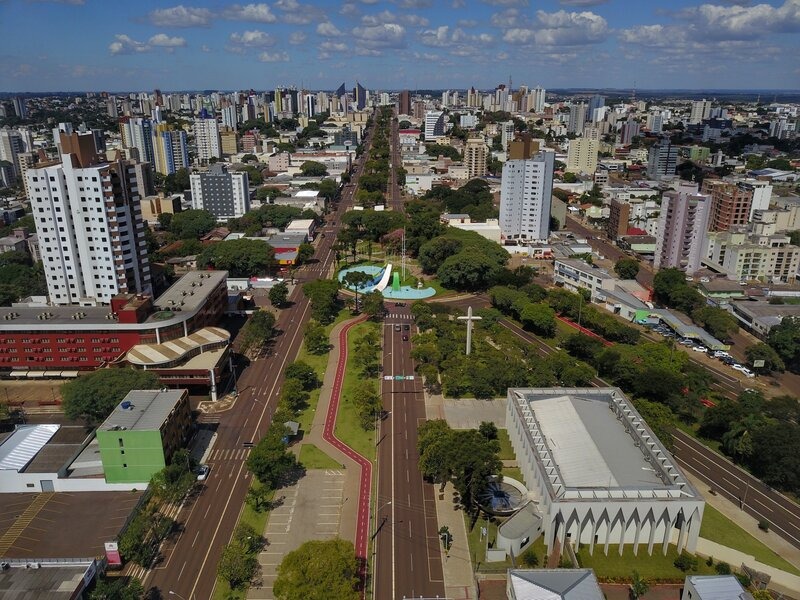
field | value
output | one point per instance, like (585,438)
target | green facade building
(139,438)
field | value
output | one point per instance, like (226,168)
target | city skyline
(418,43)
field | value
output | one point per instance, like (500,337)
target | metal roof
(23,445)
(718,587)
(554,584)
(167,352)
(147,410)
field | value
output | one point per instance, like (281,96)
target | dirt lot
(69,525)
(31,392)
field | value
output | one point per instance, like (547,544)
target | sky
(120,45)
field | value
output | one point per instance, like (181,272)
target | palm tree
(639,586)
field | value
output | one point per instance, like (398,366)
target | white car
(748,373)
(699,349)
(202,472)
(739,367)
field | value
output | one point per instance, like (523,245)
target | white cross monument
(469,319)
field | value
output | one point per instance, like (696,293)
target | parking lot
(62,525)
(693,345)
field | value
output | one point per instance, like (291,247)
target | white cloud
(510,17)
(181,16)
(389,17)
(162,40)
(442,37)
(205,48)
(257,13)
(328,29)
(561,28)
(387,35)
(273,57)
(298,14)
(507,2)
(252,39)
(582,2)
(72,2)
(124,44)
(467,23)
(744,22)
(368,52)
(333,46)
(349,9)
(297,37)
(414,3)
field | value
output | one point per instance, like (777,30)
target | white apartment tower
(526,193)
(206,137)
(506,133)
(88,219)
(683,225)
(475,158)
(434,125)
(701,109)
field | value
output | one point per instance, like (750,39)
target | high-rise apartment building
(682,226)
(582,155)
(506,133)
(629,130)
(88,219)
(655,122)
(230,116)
(662,159)
(701,109)
(170,149)
(595,102)
(225,195)
(536,103)
(618,218)
(730,204)
(434,125)
(138,134)
(405,103)
(475,153)
(577,117)
(229,141)
(206,138)
(11,146)
(526,194)
(20,108)
(762,194)
(360,96)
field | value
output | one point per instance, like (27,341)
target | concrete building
(154,206)
(662,159)
(11,146)
(682,226)
(226,195)
(762,194)
(577,118)
(89,223)
(582,155)
(575,275)
(229,141)
(475,153)
(206,138)
(553,584)
(170,149)
(630,129)
(743,257)
(137,134)
(618,219)
(599,474)
(404,103)
(143,432)
(730,204)
(507,131)
(701,110)
(434,125)
(525,197)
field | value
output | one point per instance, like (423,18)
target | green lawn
(477,546)
(348,425)
(314,458)
(655,568)
(514,473)
(718,528)
(506,451)
(257,521)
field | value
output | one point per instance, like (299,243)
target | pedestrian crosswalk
(229,454)
(401,316)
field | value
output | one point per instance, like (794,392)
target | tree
(627,268)
(319,570)
(279,294)
(762,351)
(259,329)
(191,224)
(660,418)
(117,588)
(315,339)
(259,497)
(529,558)
(249,158)
(355,280)
(686,562)
(433,253)
(639,585)
(372,304)
(237,566)
(322,294)
(569,177)
(293,395)
(539,318)
(270,462)
(305,252)
(92,397)
(784,338)
(241,258)
(717,321)
(488,430)
(367,401)
(302,372)
(468,270)
(177,182)
(312,168)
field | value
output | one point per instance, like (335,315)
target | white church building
(598,474)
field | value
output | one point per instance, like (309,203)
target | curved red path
(365,487)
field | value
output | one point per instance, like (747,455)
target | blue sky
(118,45)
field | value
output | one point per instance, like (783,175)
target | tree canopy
(191,224)
(319,570)
(270,462)
(323,295)
(93,396)
(312,168)
(627,268)
(241,258)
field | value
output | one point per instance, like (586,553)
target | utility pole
(469,319)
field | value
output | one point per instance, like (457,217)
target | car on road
(397,326)
(202,472)
(405,338)
(406,327)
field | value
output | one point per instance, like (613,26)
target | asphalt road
(408,561)
(189,563)
(728,480)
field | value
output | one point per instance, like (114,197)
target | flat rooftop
(189,292)
(46,583)
(596,440)
(146,410)
(59,450)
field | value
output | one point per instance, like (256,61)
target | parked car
(738,367)
(202,472)
(397,326)
(405,338)
(748,373)
(699,349)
